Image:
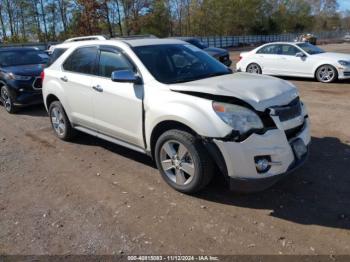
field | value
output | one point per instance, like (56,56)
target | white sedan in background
(296,59)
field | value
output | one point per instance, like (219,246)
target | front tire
(326,74)
(254,68)
(7,100)
(60,122)
(183,161)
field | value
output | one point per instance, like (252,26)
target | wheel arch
(49,99)
(210,146)
(164,126)
(53,96)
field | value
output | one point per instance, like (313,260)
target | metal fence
(226,41)
(236,41)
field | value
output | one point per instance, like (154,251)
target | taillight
(42,75)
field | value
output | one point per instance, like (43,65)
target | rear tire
(183,161)
(60,122)
(254,68)
(326,74)
(7,100)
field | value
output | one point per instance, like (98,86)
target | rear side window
(269,50)
(113,61)
(55,55)
(82,61)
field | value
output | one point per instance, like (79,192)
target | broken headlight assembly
(240,118)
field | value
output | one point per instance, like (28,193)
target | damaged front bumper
(240,157)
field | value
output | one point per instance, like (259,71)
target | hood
(331,55)
(215,51)
(259,91)
(25,70)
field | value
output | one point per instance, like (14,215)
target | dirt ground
(93,197)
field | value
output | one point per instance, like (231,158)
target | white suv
(172,101)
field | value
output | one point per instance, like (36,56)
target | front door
(117,106)
(291,65)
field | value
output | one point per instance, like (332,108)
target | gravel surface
(93,197)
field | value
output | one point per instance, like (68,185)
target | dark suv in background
(20,80)
(218,53)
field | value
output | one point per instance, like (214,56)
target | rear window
(55,55)
(82,60)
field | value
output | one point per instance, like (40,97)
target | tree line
(55,20)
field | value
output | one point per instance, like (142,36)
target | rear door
(77,78)
(267,57)
(117,106)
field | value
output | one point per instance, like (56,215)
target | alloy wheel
(254,69)
(326,74)
(58,121)
(6,99)
(177,162)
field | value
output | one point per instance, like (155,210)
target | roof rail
(129,37)
(85,38)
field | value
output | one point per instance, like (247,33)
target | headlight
(239,118)
(12,76)
(344,63)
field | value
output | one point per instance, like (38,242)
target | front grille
(346,73)
(289,111)
(37,84)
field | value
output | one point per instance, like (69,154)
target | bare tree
(44,18)
(51,9)
(119,17)
(62,5)
(106,14)
(3,28)
(36,17)
(9,10)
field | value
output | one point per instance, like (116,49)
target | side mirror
(125,76)
(300,54)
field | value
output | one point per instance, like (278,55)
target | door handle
(98,88)
(64,79)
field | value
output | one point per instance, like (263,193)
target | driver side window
(111,61)
(290,50)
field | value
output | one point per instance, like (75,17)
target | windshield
(22,57)
(310,49)
(178,63)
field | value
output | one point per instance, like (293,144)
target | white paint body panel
(116,114)
(287,65)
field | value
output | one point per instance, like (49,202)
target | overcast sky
(344,5)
